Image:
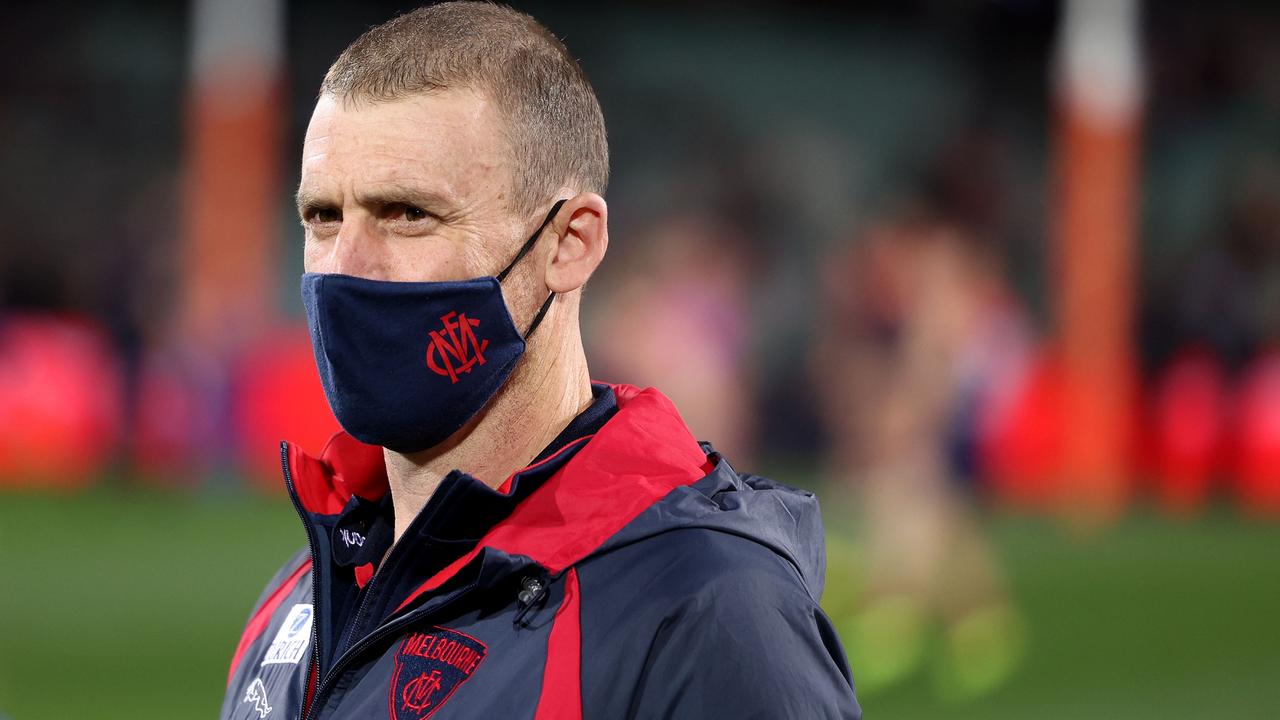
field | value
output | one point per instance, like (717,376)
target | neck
(548,388)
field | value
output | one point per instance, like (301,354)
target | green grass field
(128,605)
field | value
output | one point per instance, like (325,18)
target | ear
(582,229)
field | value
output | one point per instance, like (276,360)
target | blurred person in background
(687,284)
(919,330)
(494,534)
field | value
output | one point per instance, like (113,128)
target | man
(495,536)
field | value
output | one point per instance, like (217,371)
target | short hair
(553,120)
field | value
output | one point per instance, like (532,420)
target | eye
(326,215)
(415,214)
(321,214)
(406,219)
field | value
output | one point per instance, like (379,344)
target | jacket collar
(641,454)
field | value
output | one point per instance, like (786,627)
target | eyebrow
(381,196)
(396,194)
(307,200)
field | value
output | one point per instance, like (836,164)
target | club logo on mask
(454,349)
(429,666)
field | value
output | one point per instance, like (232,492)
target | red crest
(429,667)
(454,348)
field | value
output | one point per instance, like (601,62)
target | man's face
(409,190)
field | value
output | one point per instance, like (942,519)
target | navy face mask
(406,364)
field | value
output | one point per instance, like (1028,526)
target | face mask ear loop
(528,244)
(546,305)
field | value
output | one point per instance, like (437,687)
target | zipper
(381,632)
(383,568)
(354,622)
(309,708)
(313,666)
(354,649)
(364,601)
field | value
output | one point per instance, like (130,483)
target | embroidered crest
(429,666)
(455,349)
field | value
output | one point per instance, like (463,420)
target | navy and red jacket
(629,573)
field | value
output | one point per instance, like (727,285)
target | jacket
(633,573)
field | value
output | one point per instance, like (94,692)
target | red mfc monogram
(454,348)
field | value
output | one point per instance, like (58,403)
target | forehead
(448,142)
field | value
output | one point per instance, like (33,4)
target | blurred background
(1000,280)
